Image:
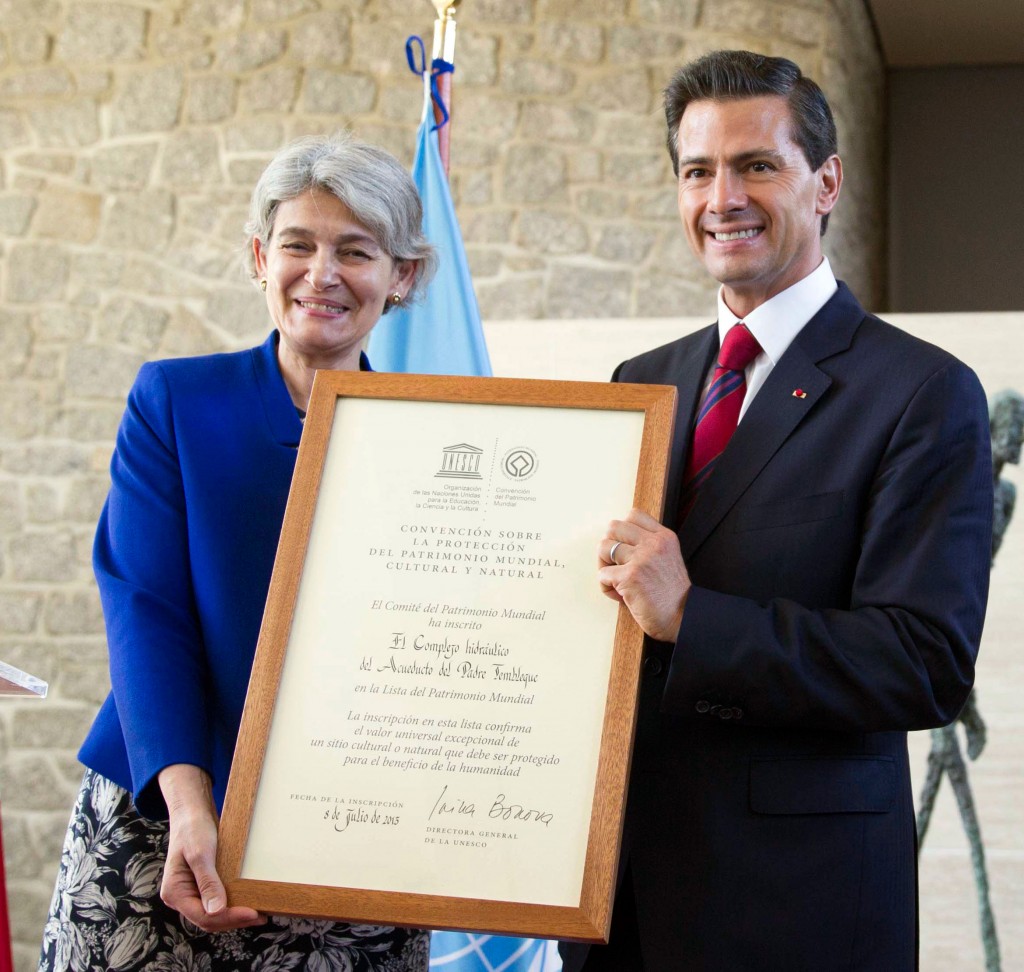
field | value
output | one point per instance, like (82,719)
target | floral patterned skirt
(107,913)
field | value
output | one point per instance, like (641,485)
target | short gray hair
(370,182)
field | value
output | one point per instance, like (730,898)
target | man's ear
(830,181)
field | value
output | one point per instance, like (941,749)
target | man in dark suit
(818,587)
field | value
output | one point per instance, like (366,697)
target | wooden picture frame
(495,493)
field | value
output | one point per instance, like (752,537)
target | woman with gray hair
(183,557)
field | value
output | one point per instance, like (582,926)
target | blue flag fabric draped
(443,335)
(464,952)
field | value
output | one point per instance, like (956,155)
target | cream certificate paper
(438,722)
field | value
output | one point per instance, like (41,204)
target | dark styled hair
(723,75)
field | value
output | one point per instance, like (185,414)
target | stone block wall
(131,133)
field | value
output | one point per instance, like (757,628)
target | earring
(263,285)
(396,298)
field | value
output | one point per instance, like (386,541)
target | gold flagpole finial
(445,8)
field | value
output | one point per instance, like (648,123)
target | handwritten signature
(501,809)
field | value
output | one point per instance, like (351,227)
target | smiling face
(748,199)
(327,281)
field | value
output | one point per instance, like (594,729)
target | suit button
(737,713)
(652,665)
(725,712)
(703,707)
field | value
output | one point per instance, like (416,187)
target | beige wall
(130,135)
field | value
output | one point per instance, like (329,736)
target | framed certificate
(440,716)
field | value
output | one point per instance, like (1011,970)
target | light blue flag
(442,334)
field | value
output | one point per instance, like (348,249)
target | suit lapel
(282,419)
(689,381)
(774,415)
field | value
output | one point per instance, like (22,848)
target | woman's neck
(298,370)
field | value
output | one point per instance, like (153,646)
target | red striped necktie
(719,412)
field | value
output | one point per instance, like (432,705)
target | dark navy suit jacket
(840,555)
(183,556)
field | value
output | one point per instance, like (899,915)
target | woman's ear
(259,257)
(406,272)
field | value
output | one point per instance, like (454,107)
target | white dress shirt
(777,322)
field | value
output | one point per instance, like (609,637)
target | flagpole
(444,48)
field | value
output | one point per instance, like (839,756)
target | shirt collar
(776,322)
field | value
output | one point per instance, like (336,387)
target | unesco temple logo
(519,463)
(460,461)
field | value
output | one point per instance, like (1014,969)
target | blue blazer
(183,555)
(840,556)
